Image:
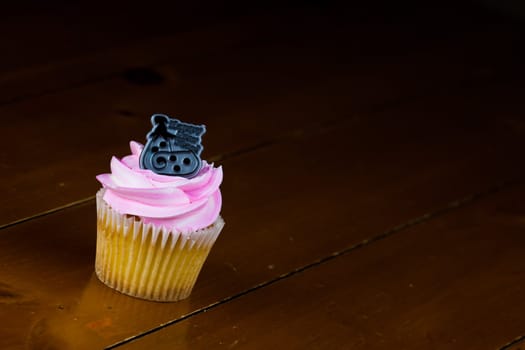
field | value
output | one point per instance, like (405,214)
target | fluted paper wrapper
(146,261)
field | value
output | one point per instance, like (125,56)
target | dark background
(35,32)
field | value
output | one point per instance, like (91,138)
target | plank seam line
(48,212)
(513,342)
(402,227)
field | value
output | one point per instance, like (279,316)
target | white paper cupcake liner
(146,261)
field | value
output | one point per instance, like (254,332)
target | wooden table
(373,160)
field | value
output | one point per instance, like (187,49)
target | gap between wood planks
(456,204)
(516,341)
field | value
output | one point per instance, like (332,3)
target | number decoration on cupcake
(173,147)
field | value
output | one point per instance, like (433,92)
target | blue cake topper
(173,147)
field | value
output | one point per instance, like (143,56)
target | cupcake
(158,214)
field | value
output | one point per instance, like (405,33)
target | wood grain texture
(453,283)
(390,170)
(48,78)
(57,46)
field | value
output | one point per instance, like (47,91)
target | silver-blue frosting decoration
(173,147)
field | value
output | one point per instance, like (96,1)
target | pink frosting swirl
(177,203)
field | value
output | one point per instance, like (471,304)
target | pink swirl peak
(177,203)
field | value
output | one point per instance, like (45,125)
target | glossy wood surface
(455,282)
(372,182)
